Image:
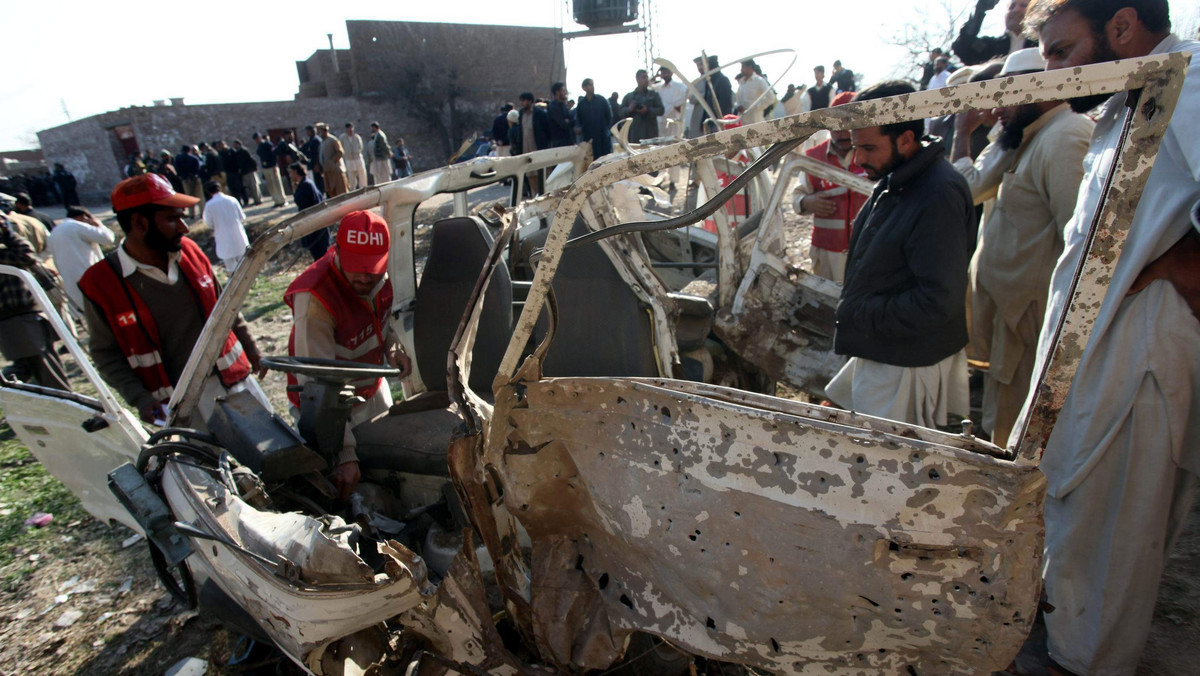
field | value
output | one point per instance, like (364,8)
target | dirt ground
(79,597)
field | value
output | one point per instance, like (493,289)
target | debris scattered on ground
(131,540)
(188,666)
(39,520)
(68,618)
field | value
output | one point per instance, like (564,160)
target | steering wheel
(336,370)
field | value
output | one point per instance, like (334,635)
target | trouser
(1002,401)
(829,264)
(356,175)
(286,179)
(1107,542)
(317,243)
(235,188)
(381,171)
(231,263)
(27,340)
(274,186)
(335,182)
(193,187)
(250,188)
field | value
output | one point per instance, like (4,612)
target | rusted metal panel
(763,537)
(750,529)
(1131,169)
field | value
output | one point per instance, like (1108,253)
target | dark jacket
(645,125)
(718,93)
(562,124)
(500,129)
(245,161)
(187,165)
(844,81)
(212,164)
(266,154)
(229,162)
(595,120)
(972,49)
(541,132)
(306,194)
(904,298)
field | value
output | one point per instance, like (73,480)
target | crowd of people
(336,163)
(966,249)
(657,107)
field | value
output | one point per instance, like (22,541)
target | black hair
(525,96)
(298,168)
(1154,14)
(641,72)
(554,88)
(77,211)
(311,128)
(184,149)
(211,188)
(893,88)
(586,81)
(125,218)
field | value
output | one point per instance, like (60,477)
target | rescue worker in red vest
(832,206)
(149,300)
(340,307)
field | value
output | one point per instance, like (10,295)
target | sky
(80,58)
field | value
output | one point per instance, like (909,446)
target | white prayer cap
(1023,61)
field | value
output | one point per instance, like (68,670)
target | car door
(78,438)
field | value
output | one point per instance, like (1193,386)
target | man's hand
(151,412)
(256,366)
(823,207)
(346,478)
(401,361)
(970,120)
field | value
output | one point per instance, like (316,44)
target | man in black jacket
(717,91)
(972,49)
(902,315)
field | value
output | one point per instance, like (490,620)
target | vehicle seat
(457,253)
(603,328)
(415,433)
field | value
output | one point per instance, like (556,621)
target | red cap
(363,241)
(148,189)
(843,98)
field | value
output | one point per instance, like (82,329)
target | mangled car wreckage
(552,490)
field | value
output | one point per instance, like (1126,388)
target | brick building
(435,84)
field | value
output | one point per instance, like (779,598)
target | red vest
(359,324)
(134,326)
(833,233)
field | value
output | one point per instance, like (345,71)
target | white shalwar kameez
(1123,459)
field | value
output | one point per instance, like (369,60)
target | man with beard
(902,315)
(1123,459)
(149,300)
(341,307)
(595,119)
(1036,166)
(832,206)
(972,49)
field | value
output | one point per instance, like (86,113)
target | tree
(934,25)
